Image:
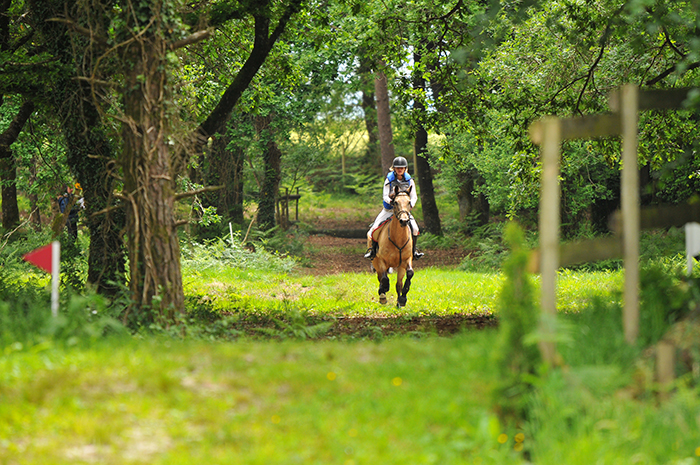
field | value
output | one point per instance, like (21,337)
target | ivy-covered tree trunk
(90,153)
(89,157)
(149,171)
(272,160)
(8,168)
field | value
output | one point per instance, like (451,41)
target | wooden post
(665,365)
(549,224)
(630,210)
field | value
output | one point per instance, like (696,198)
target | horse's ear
(396,190)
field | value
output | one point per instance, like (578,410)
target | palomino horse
(395,249)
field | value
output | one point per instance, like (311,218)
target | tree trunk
(225,168)
(431,215)
(272,159)
(35,215)
(8,169)
(469,202)
(149,180)
(90,154)
(8,176)
(372,156)
(381,90)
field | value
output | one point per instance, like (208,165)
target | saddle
(375,234)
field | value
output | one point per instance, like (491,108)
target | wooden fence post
(549,225)
(629,198)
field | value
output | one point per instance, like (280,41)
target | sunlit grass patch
(575,290)
(433,291)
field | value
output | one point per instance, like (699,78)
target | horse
(395,249)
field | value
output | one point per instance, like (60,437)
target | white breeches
(385,215)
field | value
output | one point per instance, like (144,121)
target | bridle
(398,210)
(397,213)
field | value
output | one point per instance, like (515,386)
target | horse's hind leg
(401,301)
(383,286)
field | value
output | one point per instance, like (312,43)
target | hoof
(382,299)
(401,302)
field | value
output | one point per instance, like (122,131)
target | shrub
(518,317)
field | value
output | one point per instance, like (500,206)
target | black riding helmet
(400,162)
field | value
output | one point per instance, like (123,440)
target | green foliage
(487,249)
(26,320)
(515,359)
(220,253)
(431,241)
(597,336)
(295,325)
(665,298)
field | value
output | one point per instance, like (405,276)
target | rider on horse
(398,176)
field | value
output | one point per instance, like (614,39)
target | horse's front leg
(401,301)
(400,273)
(383,285)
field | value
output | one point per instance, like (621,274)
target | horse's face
(402,207)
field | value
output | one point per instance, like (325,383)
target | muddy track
(362,327)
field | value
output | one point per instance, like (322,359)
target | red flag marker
(41,257)
(48,258)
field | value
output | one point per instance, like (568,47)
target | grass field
(401,401)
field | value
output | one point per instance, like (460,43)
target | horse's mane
(403,186)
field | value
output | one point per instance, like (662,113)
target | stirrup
(370,253)
(417,255)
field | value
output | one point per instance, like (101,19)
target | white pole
(692,243)
(230,230)
(55,269)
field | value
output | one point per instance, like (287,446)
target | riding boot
(416,254)
(372,251)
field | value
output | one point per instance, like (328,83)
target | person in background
(397,175)
(68,201)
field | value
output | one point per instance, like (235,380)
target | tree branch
(10,134)
(191,39)
(192,193)
(670,71)
(102,41)
(262,46)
